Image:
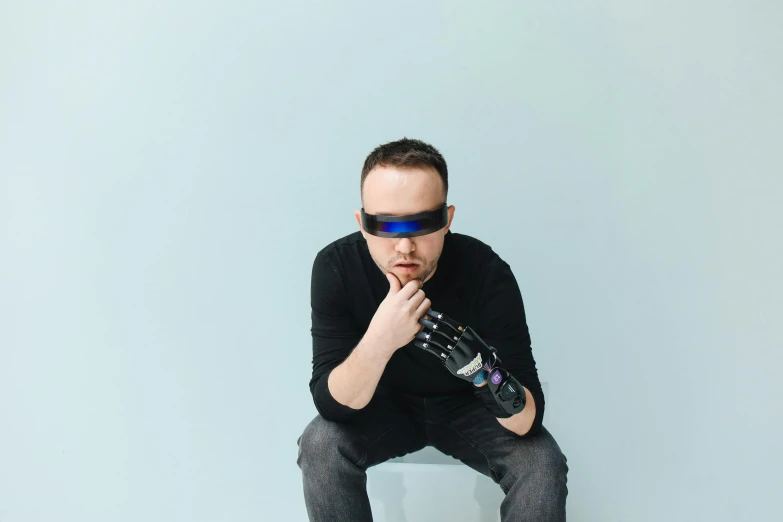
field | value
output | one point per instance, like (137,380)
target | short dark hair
(406,153)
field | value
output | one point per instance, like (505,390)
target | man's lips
(401,264)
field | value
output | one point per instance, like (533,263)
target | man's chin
(406,275)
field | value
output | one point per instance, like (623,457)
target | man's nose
(405,245)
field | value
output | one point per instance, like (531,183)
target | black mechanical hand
(463,352)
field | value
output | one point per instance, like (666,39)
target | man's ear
(450,210)
(358,215)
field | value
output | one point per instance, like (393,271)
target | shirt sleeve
(334,334)
(503,325)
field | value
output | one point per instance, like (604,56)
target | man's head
(403,178)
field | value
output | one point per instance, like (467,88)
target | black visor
(405,226)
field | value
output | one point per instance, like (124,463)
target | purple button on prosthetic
(496,377)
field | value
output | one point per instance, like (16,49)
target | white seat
(428,485)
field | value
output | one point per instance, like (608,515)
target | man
(420,338)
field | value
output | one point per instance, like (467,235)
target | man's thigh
(463,428)
(382,430)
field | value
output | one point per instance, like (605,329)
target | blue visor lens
(401,227)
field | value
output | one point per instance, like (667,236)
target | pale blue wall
(169,169)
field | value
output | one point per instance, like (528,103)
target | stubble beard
(426,269)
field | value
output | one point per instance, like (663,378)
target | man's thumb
(394,283)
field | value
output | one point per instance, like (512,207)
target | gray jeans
(334,456)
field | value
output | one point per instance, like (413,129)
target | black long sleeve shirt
(471,284)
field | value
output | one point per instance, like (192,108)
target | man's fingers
(394,283)
(423,307)
(415,302)
(410,288)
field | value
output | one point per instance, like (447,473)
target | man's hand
(354,381)
(396,321)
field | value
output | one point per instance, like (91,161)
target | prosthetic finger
(440,336)
(428,324)
(446,323)
(443,354)
(434,342)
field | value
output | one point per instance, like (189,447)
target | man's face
(404,191)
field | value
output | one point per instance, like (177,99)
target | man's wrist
(373,352)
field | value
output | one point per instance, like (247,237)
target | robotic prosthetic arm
(468,357)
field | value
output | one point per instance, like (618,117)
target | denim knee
(321,442)
(545,466)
